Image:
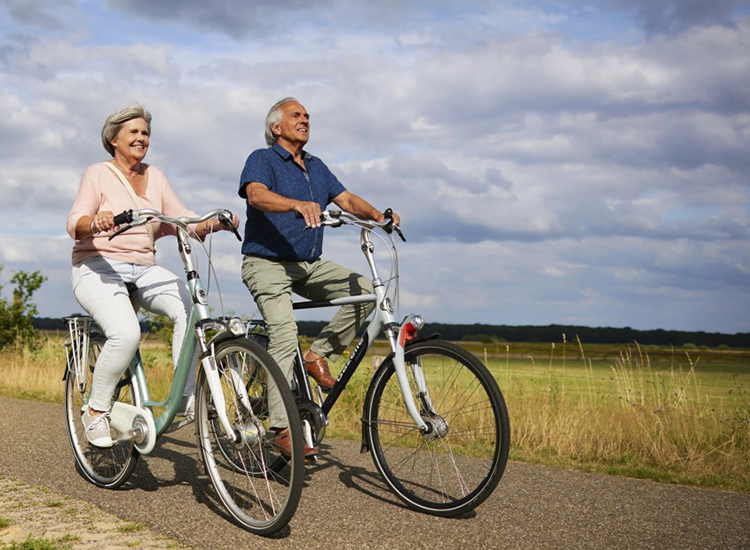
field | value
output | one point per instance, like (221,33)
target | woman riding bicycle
(108,274)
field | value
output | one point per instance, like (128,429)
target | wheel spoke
(258,487)
(103,467)
(453,467)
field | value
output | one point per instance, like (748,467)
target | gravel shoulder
(37,512)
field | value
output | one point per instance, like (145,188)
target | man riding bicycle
(280,183)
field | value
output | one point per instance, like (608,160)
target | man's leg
(328,280)
(270,283)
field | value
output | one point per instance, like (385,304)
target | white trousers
(99,286)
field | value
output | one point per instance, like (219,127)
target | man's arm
(265,200)
(358,206)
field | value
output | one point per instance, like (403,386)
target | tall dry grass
(658,424)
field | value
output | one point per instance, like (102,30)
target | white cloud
(545,171)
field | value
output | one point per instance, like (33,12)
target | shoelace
(101,421)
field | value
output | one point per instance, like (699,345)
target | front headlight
(236,326)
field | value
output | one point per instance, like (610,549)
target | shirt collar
(286,155)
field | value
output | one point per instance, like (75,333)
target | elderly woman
(103,269)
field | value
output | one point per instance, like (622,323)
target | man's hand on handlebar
(310,211)
(392,215)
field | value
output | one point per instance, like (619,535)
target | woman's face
(131,142)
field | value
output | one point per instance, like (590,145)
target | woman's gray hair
(115,121)
(274,118)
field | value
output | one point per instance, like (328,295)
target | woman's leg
(101,292)
(162,292)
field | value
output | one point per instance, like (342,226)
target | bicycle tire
(310,414)
(107,468)
(451,473)
(259,488)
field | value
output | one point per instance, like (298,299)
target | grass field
(671,415)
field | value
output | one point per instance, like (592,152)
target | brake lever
(399,233)
(227,222)
(130,226)
(391,226)
(123,229)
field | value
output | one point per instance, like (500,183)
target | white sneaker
(187,406)
(97,429)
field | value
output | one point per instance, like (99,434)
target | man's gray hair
(115,121)
(274,118)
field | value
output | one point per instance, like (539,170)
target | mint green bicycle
(235,376)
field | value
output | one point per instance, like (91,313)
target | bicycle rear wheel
(258,486)
(108,468)
(456,466)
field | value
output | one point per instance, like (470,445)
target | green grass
(131,528)
(40,543)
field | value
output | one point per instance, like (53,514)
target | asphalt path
(346,505)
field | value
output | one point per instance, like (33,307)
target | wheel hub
(438,427)
(249,434)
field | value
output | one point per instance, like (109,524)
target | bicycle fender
(365,443)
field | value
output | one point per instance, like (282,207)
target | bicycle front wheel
(259,487)
(108,468)
(456,466)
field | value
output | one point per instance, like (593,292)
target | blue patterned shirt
(280,236)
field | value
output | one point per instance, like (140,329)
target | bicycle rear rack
(77,346)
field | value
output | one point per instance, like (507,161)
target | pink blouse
(101,190)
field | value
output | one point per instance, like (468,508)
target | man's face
(294,127)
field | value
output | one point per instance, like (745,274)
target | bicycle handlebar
(337,218)
(134,218)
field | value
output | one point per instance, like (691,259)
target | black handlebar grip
(125,217)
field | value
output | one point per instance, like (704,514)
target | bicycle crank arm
(134,424)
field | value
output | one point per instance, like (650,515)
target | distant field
(673,415)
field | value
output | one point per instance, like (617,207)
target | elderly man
(280,258)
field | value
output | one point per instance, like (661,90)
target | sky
(579,162)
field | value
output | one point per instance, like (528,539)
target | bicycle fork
(409,327)
(208,361)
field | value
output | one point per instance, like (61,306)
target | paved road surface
(345,504)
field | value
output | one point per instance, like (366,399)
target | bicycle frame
(383,321)
(128,419)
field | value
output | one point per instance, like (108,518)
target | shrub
(17,315)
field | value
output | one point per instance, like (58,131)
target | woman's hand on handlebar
(102,221)
(221,224)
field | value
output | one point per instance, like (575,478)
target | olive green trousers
(272,282)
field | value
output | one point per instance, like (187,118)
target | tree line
(19,324)
(529,333)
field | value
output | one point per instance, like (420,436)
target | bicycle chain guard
(135,424)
